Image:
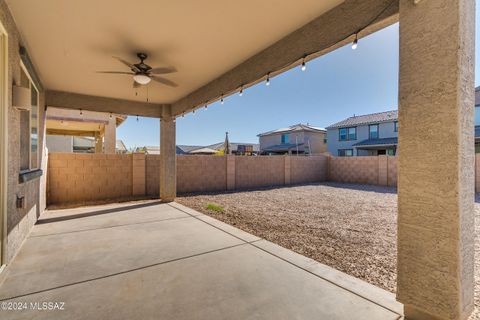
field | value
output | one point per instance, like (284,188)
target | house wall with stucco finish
(19,221)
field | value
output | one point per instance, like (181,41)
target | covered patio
(151,260)
(221,48)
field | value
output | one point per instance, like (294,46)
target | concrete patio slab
(181,267)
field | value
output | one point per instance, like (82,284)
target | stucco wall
(316,140)
(20,221)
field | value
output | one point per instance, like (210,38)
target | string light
(81,112)
(221,100)
(183,114)
(193,111)
(267,83)
(110,115)
(304,66)
(137,117)
(355,42)
(206,106)
(241,91)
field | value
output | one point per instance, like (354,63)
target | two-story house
(296,139)
(365,135)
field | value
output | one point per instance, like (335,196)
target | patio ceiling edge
(76,101)
(324,34)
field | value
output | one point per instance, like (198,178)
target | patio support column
(110,136)
(168,163)
(436,159)
(98,142)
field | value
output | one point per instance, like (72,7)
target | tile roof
(386,116)
(296,127)
(234,146)
(377,142)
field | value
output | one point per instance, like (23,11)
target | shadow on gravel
(361,187)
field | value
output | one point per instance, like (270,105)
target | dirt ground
(349,227)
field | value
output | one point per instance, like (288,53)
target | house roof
(282,147)
(120,145)
(234,146)
(294,128)
(204,151)
(377,142)
(385,116)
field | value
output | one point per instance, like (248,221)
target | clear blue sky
(334,86)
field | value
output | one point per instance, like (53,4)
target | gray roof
(377,142)
(386,116)
(234,146)
(282,147)
(295,127)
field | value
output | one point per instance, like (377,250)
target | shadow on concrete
(96,213)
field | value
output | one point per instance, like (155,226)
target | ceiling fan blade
(131,66)
(163,70)
(116,72)
(136,84)
(164,81)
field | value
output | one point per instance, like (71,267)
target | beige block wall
(354,169)
(253,172)
(308,169)
(84,178)
(201,173)
(152,177)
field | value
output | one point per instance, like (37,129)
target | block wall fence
(88,178)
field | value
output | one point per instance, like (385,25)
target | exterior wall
(378,170)
(201,173)
(317,142)
(276,138)
(59,143)
(385,129)
(316,139)
(20,220)
(88,178)
(83,178)
(253,172)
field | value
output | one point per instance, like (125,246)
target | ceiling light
(141,78)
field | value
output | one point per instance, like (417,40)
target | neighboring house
(83,131)
(365,135)
(477,119)
(299,138)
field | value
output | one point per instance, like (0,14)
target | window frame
(286,135)
(344,152)
(347,138)
(370,132)
(32,87)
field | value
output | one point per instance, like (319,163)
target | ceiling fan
(143,73)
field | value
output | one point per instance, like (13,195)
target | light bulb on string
(304,65)
(355,42)
(137,118)
(241,92)
(267,83)
(221,100)
(81,112)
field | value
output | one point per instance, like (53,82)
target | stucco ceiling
(69,40)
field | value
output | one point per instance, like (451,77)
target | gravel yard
(349,227)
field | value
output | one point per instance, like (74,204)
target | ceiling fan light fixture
(141,78)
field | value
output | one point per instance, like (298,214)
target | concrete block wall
(377,170)
(81,178)
(86,178)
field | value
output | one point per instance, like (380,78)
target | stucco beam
(320,36)
(69,100)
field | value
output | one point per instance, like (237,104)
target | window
(345,134)
(342,134)
(285,138)
(352,133)
(345,152)
(395,124)
(29,157)
(325,140)
(373,131)
(391,152)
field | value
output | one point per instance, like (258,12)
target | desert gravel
(352,228)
